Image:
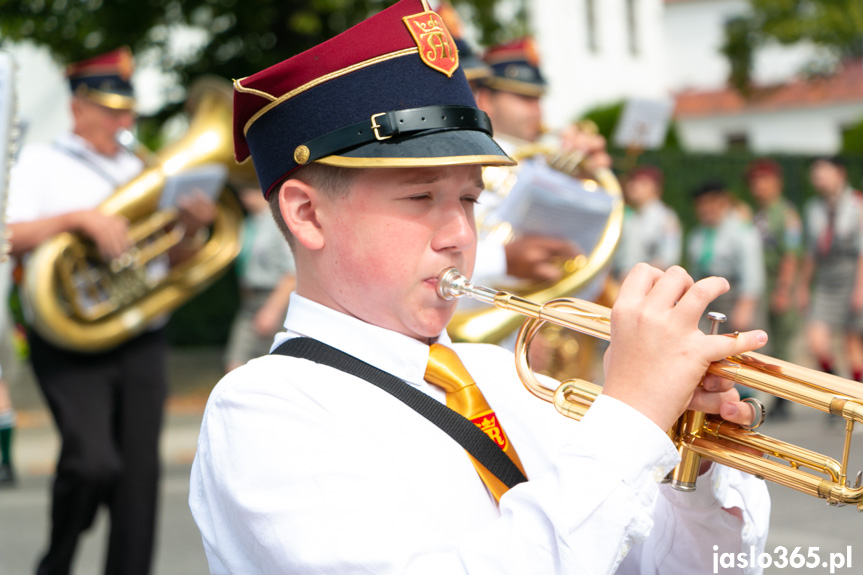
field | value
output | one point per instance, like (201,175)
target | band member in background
(781,229)
(831,277)
(305,465)
(265,273)
(510,95)
(725,245)
(651,229)
(107,406)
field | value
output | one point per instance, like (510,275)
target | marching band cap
(388,92)
(650,172)
(515,68)
(763,167)
(105,79)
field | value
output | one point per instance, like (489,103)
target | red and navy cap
(105,79)
(650,172)
(515,68)
(763,167)
(388,92)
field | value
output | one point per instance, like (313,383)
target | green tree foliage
(834,26)
(242,36)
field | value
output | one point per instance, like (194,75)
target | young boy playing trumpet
(370,149)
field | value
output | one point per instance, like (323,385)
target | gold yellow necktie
(446,370)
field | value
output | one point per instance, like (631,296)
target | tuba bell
(79,302)
(493,325)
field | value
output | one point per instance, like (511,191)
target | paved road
(24,524)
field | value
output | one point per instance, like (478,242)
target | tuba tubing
(494,325)
(209,140)
(715,440)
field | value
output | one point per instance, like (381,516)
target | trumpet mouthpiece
(451,284)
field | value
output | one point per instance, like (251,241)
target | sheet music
(210,179)
(550,203)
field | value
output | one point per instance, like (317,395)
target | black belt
(385,125)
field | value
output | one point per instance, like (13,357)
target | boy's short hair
(388,92)
(649,172)
(332,181)
(836,161)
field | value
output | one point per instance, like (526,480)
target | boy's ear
(298,203)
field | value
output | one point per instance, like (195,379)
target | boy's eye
(470,199)
(425,196)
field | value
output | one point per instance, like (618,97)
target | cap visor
(109,99)
(435,148)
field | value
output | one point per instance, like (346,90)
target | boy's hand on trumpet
(658,356)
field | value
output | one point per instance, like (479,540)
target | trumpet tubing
(706,437)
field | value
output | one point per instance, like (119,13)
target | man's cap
(650,172)
(710,187)
(388,92)
(105,79)
(515,68)
(469,61)
(763,167)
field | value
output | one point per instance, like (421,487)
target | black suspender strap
(94,167)
(461,429)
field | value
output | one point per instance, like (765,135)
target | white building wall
(580,78)
(801,131)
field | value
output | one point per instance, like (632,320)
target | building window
(590,20)
(632,27)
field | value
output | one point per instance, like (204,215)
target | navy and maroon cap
(645,171)
(388,92)
(763,167)
(515,68)
(105,79)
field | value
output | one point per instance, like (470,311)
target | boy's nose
(457,230)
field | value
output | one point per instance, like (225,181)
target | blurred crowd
(791,272)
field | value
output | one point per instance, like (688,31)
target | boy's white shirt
(304,469)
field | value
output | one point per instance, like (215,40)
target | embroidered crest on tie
(447,371)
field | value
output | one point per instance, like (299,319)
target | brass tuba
(79,302)
(695,434)
(493,325)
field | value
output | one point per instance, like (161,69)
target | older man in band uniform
(107,405)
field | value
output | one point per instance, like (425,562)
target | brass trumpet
(695,434)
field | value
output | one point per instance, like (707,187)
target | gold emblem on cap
(301,155)
(435,43)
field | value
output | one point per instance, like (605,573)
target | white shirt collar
(395,353)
